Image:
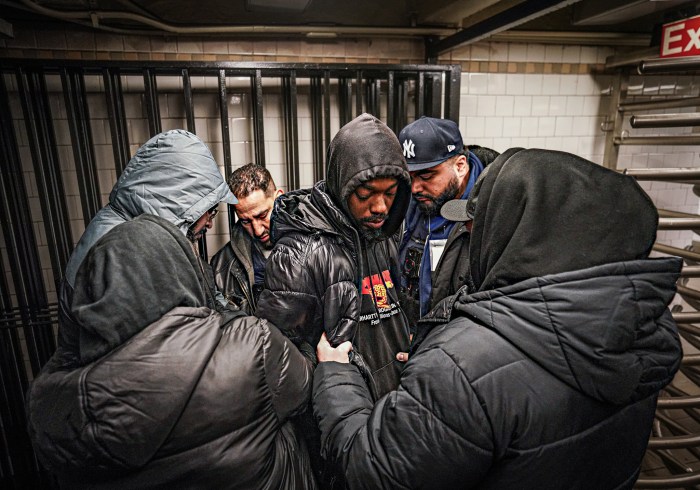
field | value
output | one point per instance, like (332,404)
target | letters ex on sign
(681,38)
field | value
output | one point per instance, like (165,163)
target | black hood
(540,212)
(365,149)
(131,277)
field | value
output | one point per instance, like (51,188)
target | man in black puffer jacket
(546,374)
(334,266)
(166,391)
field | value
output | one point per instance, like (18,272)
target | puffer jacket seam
(482,402)
(635,295)
(556,332)
(85,405)
(84,398)
(274,393)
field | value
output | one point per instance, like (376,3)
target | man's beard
(432,207)
(194,237)
(372,234)
(265,245)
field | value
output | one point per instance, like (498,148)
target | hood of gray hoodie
(173,176)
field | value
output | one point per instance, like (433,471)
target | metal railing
(396,93)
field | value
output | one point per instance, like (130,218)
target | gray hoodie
(173,175)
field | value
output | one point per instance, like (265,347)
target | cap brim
(455,210)
(414,167)
(230,198)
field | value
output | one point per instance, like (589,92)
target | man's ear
(278,192)
(461,166)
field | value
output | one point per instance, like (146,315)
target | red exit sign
(681,38)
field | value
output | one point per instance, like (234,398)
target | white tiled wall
(557,112)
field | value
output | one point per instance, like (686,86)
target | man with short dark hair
(239,267)
(441,168)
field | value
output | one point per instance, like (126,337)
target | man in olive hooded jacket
(545,373)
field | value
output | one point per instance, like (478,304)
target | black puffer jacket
(233,270)
(169,393)
(536,381)
(313,276)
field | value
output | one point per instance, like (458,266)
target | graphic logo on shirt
(409,149)
(378,284)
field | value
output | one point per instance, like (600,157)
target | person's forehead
(379,183)
(254,203)
(440,167)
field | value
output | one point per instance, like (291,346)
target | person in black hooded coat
(167,392)
(545,374)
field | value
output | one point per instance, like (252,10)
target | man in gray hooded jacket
(174,176)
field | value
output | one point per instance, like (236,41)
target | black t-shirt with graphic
(383,329)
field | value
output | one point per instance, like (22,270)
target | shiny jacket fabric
(233,270)
(173,175)
(168,393)
(313,276)
(547,375)
(514,392)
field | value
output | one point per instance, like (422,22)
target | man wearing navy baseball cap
(441,169)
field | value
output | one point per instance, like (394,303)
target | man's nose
(379,206)
(258,229)
(415,186)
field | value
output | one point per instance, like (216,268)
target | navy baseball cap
(429,141)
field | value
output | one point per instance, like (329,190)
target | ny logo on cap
(451,147)
(409,149)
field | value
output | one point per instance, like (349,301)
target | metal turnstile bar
(664,174)
(665,120)
(671,103)
(663,65)
(659,140)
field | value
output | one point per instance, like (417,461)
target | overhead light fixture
(321,35)
(296,6)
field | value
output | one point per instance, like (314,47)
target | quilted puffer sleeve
(429,433)
(309,288)
(287,373)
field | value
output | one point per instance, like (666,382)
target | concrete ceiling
(445,23)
